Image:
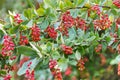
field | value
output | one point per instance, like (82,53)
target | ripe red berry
(29,74)
(103,59)
(7,77)
(102,23)
(97,9)
(118,21)
(55,70)
(80,23)
(52,64)
(23,40)
(116,3)
(51,32)
(8,46)
(35,34)
(98,48)
(17,19)
(68,71)
(81,64)
(13,58)
(67,21)
(67,49)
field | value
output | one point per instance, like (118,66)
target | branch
(82,8)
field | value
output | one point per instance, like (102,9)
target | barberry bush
(62,40)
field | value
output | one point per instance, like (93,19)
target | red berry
(8,46)
(80,23)
(52,63)
(116,3)
(67,49)
(51,32)
(17,19)
(35,34)
(7,77)
(66,23)
(98,48)
(102,23)
(118,21)
(97,9)
(23,40)
(68,71)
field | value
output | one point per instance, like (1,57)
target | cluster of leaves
(87,47)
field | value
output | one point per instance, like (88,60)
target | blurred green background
(14,5)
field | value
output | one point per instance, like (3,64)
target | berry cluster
(7,77)
(116,3)
(67,21)
(80,23)
(13,58)
(29,74)
(81,64)
(66,49)
(103,59)
(17,19)
(52,63)
(8,46)
(97,9)
(102,23)
(51,32)
(23,40)
(55,70)
(35,33)
(98,48)
(68,71)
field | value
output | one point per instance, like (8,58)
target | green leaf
(44,24)
(116,60)
(29,24)
(28,13)
(72,33)
(14,29)
(27,51)
(49,46)
(102,2)
(40,11)
(81,3)
(63,64)
(91,38)
(24,67)
(78,55)
(55,55)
